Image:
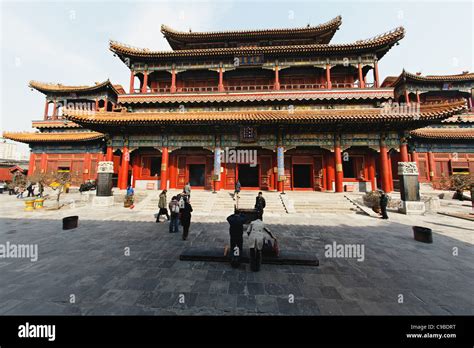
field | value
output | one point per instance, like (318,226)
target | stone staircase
(272,200)
(318,202)
(201,201)
(222,202)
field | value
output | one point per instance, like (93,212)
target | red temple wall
(82,166)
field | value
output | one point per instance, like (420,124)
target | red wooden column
(123,173)
(418,97)
(96,104)
(109,155)
(173,80)
(431,164)
(371,163)
(46,105)
(384,170)
(275,172)
(55,110)
(132,82)
(220,86)
(407,97)
(376,73)
(390,174)
(164,167)
(145,82)
(328,76)
(338,163)
(361,77)
(135,167)
(276,84)
(31,165)
(403,150)
(330,170)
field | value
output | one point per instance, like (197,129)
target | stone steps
(318,202)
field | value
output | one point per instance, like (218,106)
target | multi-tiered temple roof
(320,34)
(379,44)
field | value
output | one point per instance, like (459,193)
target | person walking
(237,189)
(187,190)
(31,190)
(174,210)
(260,205)
(383,204)
(236,230)
(40,189)
(162,204)
(186,218)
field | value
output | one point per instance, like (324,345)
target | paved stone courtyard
(90,263)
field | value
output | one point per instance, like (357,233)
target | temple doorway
(197,175)
(248,175)
(302,175)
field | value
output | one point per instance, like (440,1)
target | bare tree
(460,183)
(58,181)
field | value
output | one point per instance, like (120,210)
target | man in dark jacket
(236,230)
(383,204)
(186,218)
(260,205)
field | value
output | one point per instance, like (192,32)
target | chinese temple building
(445,147)
(315,114)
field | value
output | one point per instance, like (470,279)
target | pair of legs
(384,212)
(186,225)
(163,211)
(255,259)
(174,224)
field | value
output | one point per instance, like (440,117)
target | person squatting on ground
(186,218)
(162,206)
(383,204)
(257,236)
(236,230)
(174,210)
(260,205)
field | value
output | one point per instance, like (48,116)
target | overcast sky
(67,41)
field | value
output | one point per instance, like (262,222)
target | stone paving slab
(90,262)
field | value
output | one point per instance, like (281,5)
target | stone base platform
(103,201)
(286,257)
(412,208)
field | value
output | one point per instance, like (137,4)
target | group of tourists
(180,210)
(30,187)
